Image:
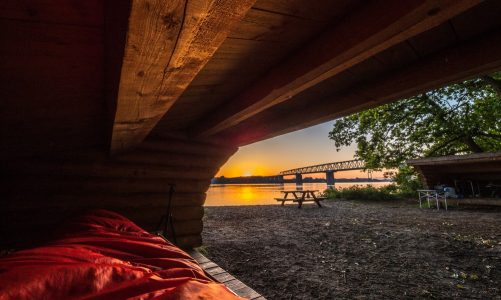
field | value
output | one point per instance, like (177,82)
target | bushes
(406,185)
(407,182)
(333,193)
(363,193)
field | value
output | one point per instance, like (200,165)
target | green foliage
(407,182)
(368,193)
(333,193)
(460,118)
(203,250)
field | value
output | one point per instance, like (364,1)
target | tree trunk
(470,142)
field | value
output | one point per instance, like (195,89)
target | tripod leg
(160,223)
(172,230)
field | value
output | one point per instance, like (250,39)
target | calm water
(262,194)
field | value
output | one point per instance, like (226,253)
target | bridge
(329,169)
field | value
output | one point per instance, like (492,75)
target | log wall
(42,192)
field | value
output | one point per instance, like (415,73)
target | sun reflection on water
(257,194)
(247,194)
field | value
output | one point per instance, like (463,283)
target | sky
(310,146)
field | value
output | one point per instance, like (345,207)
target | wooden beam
(470,59)
(374,28)
(168,43)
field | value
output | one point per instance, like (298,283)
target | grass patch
(369,193)
(204,250)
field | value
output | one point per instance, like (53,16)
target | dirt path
(350,250)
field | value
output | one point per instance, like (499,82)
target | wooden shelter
(106,102)
(475,175)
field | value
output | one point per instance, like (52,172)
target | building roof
(457,159)
(446,169)
(106,75)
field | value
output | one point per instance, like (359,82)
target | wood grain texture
(111,170)
(51,87)
(88,13)
(453,64)
(168,43)
(360,36)
(60,183)
(236,64)
(268,26)
(107,200)
(261,40)
(309,10)
(41,193)
(219,274)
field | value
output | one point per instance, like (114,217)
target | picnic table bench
(301,196)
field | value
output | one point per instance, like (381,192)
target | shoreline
(265,194)
(340,180)
(352,249)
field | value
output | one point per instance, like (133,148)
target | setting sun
(242,166)
(302,148)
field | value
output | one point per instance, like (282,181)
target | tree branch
(495,84)
(490,135)
(441,146)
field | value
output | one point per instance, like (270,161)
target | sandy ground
(354,250)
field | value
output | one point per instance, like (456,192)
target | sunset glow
(310,146)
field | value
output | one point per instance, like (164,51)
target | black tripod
(166,219)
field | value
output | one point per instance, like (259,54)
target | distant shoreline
(276,180)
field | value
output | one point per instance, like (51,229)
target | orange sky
(310,146)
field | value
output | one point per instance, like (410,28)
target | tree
(459,118)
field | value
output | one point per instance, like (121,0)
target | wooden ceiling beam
(470,59)
(368,31)
(167,44)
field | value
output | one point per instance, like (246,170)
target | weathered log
(53,213)
(171,159)
(56,184)
(153,214)
(184,146)
(25,200)
(188,228)
(189,241)
(114,170)
(188,213)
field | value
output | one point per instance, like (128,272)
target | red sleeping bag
(105,256)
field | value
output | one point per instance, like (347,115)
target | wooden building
(106,102)
(475,175)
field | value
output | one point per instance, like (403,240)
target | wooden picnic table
(301,196)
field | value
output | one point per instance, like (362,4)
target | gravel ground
(348,250)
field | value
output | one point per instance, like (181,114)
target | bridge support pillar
(329,177)
(299,179)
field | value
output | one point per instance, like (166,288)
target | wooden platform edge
(220,275)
